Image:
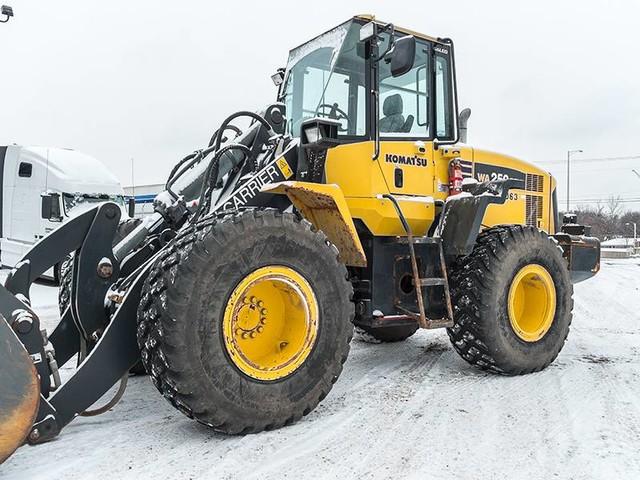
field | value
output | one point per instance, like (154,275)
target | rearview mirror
(51,207)
(403,55)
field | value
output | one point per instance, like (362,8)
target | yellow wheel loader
(349,201)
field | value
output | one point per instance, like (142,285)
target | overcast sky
(151,80)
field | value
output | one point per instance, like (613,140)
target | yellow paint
(418,171)
(513,211)
(358,180)
(532,302)
(325,207)
(270,323)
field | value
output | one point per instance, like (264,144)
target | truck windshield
(75,203)
(325,77)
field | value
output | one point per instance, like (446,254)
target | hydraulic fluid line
(211,176)
(228,127)
(215,142)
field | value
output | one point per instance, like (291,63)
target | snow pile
(407,410)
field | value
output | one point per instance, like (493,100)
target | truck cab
(43,187)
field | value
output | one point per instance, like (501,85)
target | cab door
(406,156)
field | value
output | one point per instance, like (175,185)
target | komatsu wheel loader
(349,201)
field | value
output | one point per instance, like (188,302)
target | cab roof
(372,18)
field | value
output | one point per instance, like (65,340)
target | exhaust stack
(463,118)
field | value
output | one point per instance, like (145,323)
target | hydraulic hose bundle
(210,177)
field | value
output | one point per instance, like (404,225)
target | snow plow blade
(19,391)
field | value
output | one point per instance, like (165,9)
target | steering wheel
(335,113)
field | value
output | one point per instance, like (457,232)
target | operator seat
(393,120)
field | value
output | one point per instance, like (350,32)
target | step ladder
(439,280)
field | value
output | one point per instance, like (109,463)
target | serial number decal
(269,174)
(406,160)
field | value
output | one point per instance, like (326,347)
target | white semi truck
(41,188)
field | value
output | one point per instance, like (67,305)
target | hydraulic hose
(212,173)
(226,122)
(228,127)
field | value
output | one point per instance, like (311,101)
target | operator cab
(376,81)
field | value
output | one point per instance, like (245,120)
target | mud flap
(19,392)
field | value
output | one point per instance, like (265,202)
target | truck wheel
(245,320)
(512,300)
(385,334)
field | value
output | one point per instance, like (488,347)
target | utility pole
(569,152)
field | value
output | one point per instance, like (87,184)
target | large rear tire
(512,300)
(245,321)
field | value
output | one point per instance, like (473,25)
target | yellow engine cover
(417,174)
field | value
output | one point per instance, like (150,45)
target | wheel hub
(270,323)
(532,302)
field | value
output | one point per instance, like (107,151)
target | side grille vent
(533,209)
(534,183)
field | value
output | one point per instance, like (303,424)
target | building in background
(143,195)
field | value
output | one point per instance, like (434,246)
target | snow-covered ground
(408,410)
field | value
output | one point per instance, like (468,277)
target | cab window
(404,101)
(326,78)
(25,169)
(444,116)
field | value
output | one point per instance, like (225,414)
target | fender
(462,215)
(325,207)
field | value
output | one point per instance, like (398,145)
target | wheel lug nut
(260,303)
(263,321)
(263,311)
(252,334)
(244,335)
(254,300)
(245,300)
(260,329)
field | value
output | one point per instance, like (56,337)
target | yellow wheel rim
(532,302)
(270,323)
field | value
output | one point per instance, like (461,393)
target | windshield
(75,203)
(326,78)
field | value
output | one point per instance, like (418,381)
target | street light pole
(569,152)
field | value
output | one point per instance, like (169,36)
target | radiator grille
(533,209)
(534,183)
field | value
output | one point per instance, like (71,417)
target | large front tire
(512,299)
(201,329)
